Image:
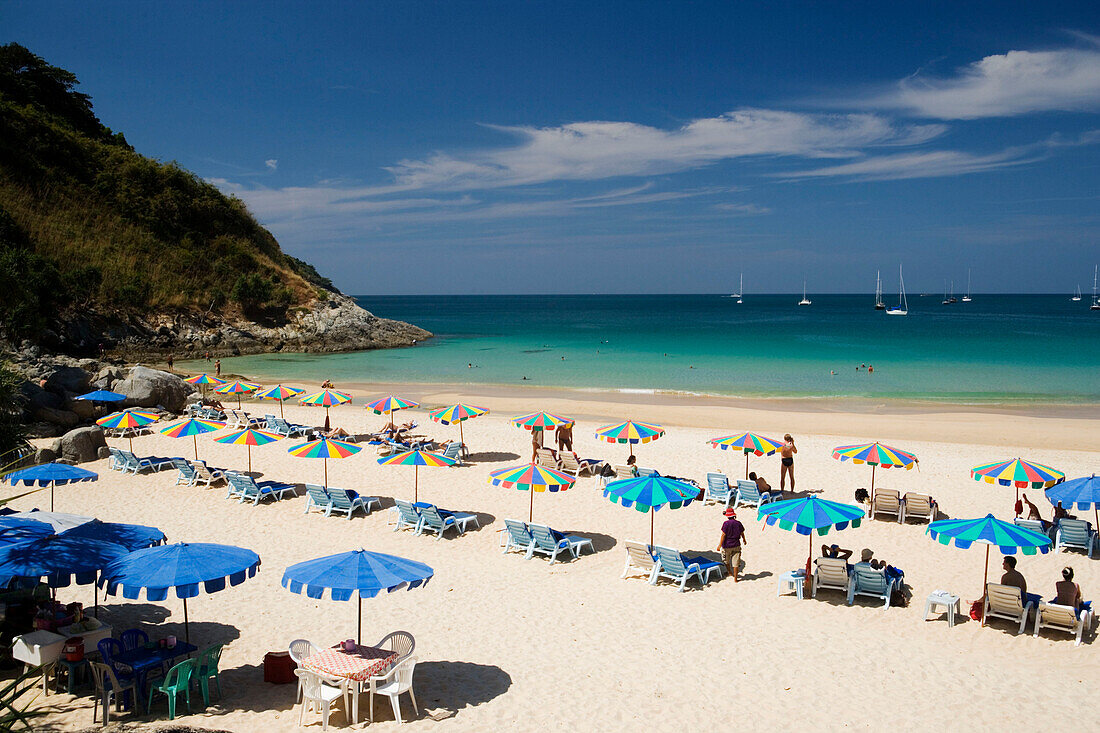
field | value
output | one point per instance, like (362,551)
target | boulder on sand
(145,387)
(83,444)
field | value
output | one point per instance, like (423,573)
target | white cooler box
(38,647)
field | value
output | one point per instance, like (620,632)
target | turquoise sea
(1011,349)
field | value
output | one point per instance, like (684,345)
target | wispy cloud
(271,163)
(1003,85)
(600,150)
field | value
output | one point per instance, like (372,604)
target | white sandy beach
(508,642)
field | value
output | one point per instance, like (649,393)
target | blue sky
(416,147)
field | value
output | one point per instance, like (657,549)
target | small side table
(792,580)
(942,600)
(71,670)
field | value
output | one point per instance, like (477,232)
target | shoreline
(1039,427)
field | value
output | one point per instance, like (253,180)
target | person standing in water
(786,464)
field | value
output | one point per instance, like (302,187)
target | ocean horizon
(998,349)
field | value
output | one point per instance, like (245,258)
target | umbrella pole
(327,428)
(359,630)
(239,406)
(809,560)
(746,466)
(985,580)
(651,515)
(325,462)
(249,448)
(95,600)
(872,484)
(281,415)
(531,510)
(195,440)
(186,627)
(461,439)
(52,484)
(416,483)
(131,439)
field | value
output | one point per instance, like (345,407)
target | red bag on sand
(976,609)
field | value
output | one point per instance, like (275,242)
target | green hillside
(87,225)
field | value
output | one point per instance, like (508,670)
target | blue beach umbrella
(50,474)
(359,571)
(102,395)
(808,515)
(131,536)
(182,566)
(20,529)
(650,493)
(988,531)
(1083,493)
(59,559)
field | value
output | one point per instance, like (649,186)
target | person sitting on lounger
(1015,578)
(763,486)
(867,557)
(1068,592)
(1032,510)
(327,384)
(1060,513)
(632,465)
(211,402)
(836,552)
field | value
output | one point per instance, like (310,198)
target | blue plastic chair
(675,566)
(407,516)
(718,489)
(132,639)
(867,581)
(518,536)
(552,543)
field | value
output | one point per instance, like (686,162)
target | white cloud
(271,163)
(1003,85)
(930,164)
(600,150)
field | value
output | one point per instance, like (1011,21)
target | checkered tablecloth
(359,665)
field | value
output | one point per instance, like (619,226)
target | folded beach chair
(407,516)
(517,535)
(438,520)
(866,581)
(1075,534)
(454,451)
(676,566)
(570,463)
(245,488)
(886,501)
(551,542)
(917,506)
(205,474)
(1062,618)
(718,489)
(186,473)
(317,498)
(136,465)
(639,557)
(748,493)
(830,573)
(1035,525)
(546,458)
(347,501)
(1006,601)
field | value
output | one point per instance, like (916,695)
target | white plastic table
(942,599)
(792,580)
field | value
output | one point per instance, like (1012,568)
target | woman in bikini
(786,465)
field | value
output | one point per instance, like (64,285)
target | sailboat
(1077,296)
(740,289)
(902,308)
(966,298)
(1095,305)
(945,300)
(879,305)
(806,301)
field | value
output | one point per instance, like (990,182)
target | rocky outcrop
(145,387)
(82,445)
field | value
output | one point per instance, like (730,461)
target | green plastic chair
(176,681)
(207,667)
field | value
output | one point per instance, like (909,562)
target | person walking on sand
(786,463)
(733,536)
(565,437)
(536,443)
(169,362)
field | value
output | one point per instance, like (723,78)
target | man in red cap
(733,534)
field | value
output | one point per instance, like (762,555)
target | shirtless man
(786,464)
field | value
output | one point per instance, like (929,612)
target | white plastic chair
(639,557)
(830,573)
(1062,618)
(398,680)
(401,642)
(299,650)
(887,501)
(107,688)
(315,691)
(1007,602)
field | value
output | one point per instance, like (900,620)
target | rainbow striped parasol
(630,432)
(389,404)
(532,477)
(324,448)
(416,459)
(325,398)
(204,379)
(249,437)
(750,443)
(458,414)
(279,392)
(875,455)
(238,388)
(543,420)
(1019,473)
(128,420)
(192,427)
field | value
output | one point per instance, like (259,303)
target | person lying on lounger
(836,552)
(336,433)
